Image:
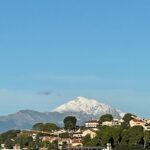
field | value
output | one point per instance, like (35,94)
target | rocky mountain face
(82,108)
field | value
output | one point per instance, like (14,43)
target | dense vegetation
(106,117)
(45,127)
(70,122)
(13,137)
(121,137)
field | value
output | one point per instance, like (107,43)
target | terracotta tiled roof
(138,120)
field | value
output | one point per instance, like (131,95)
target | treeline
(25,140)
(16,137)
(121,137)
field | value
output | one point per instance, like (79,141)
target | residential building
(91,124)
(90,132)
(115,122)
(77,134)
(136,122)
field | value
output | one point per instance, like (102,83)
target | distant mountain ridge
(82,108)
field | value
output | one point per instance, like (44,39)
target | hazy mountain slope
(24,119)
(83,108)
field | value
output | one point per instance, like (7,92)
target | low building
(77,134)
(147,126)
(92,124)
(106,123)
(90,132)
(137,122)
(76,143)
(115,122)
(145,123)
(59,132)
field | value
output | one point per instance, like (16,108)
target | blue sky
(54,51)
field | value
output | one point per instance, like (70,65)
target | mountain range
(82,108)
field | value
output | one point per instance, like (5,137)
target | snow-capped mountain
(82,108)
(86,106)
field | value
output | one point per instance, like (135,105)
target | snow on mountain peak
(85,105)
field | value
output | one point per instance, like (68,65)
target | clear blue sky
(53,51)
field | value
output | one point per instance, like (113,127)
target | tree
(146,138)
(49,127)
(125,125)
(38,126)
(45,127)
(135,135)
(9,135)
(104,134)
(116,135)
(125,137)
(87,140)
(106,117)
(23,140)
(53,145)
(70,122)
(127,117)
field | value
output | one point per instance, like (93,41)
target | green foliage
(125,137)
(50,127)
(64,135)
(23,141)
(106,117)
(146,138)
(9,135)
(116,135)
(8,138)
(33,145)
(126,147)
(122,138)
(125,125)
(87,140)
(53,146)
(45,127)
(127,117)
(135,135)
(104,134)
(38,126)
(70,122)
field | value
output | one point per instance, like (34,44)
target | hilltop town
(107,133)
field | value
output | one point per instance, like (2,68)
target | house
(76,143)
(82,133)
(77,134)
(58,132)
(136,122)
(90,132)
(147,126)
(49,139)
(91,124)
(145,123)
(115,122)
(106,123)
